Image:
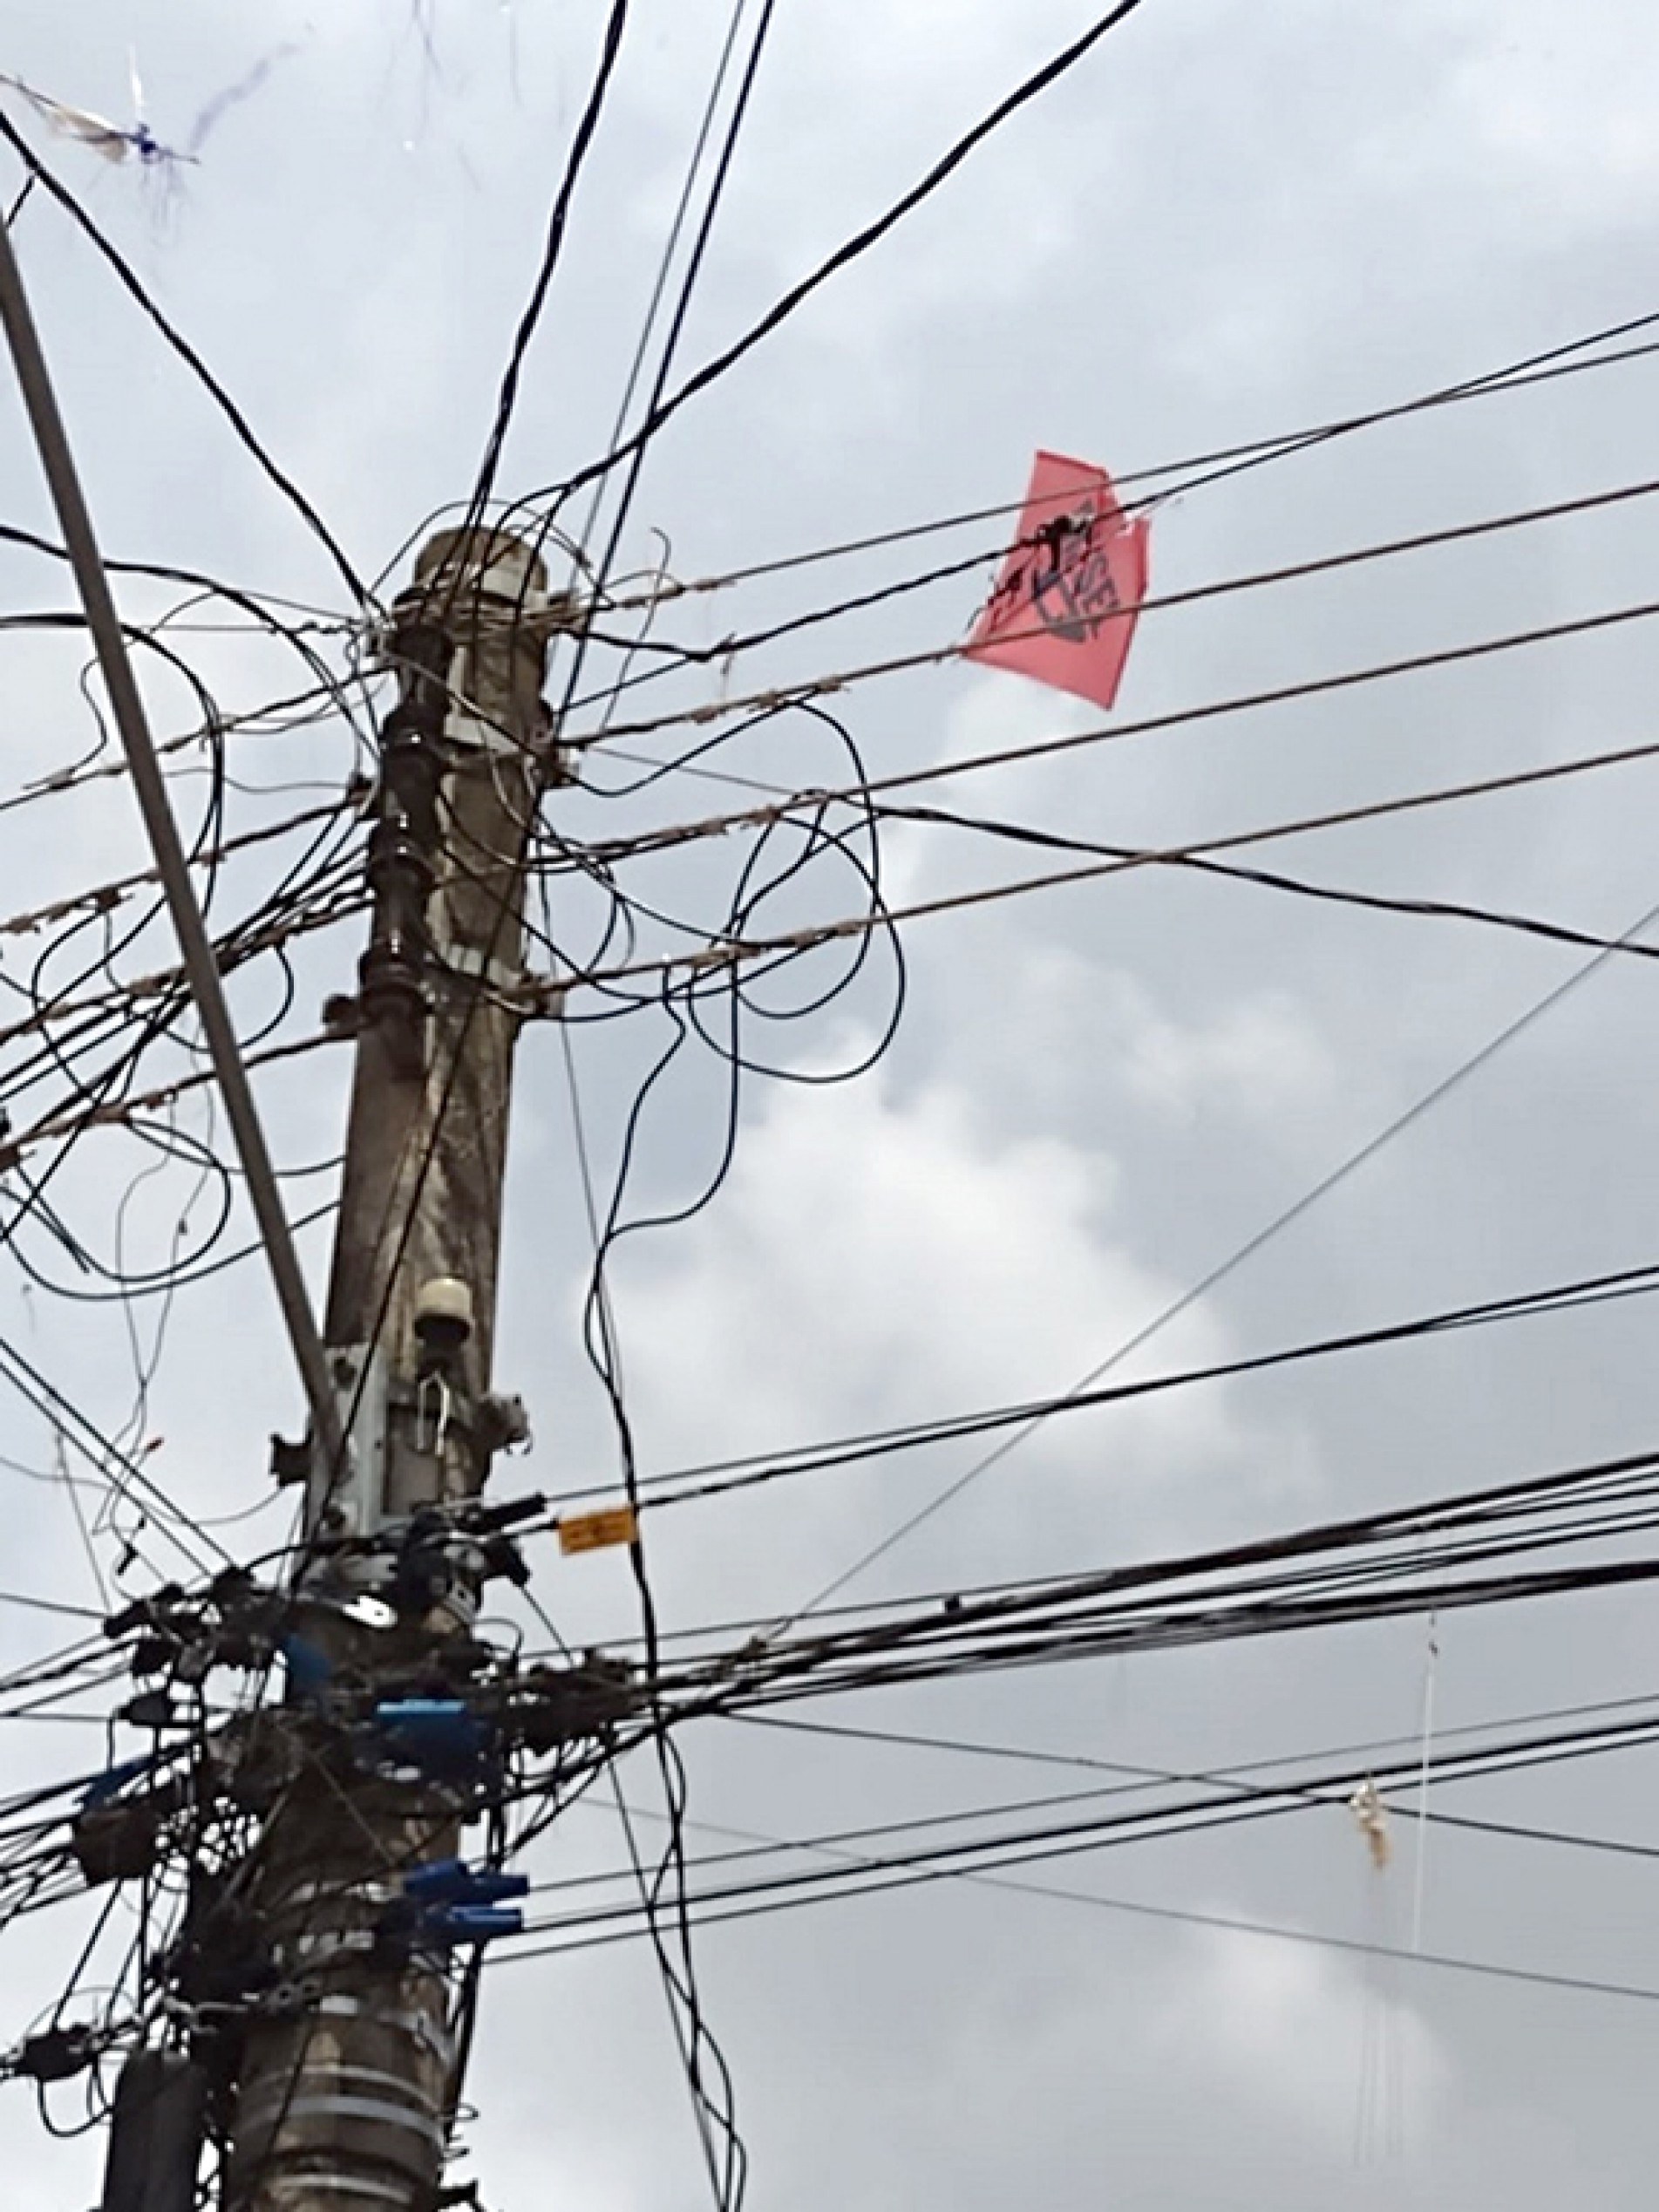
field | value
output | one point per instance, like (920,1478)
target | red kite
(1064,606)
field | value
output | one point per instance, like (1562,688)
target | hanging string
(1379,2126)
(1420,1854)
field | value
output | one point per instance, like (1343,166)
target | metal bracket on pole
(350,1501)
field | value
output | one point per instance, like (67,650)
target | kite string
(1379,2116)
(1420,1855)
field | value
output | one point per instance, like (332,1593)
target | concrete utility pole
(341,2105)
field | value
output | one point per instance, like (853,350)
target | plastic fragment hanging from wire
(1064,605)
(1371,1815)
(115,144)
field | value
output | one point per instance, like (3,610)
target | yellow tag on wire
(593,1531)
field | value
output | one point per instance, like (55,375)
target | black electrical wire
(905,1879)
(1194,470)
(728,650)
(853,249)
(138,291)
(1232,1801)
(558,221)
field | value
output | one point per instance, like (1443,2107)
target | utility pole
(306,2013)
(338,2095)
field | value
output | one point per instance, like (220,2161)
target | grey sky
(1230,223)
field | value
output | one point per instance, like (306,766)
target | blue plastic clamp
(439,1734)
(451,1881)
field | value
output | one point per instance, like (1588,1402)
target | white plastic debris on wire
(79,123)
(115,144)
(1367,1807)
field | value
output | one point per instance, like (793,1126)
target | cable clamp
(470,961)
(415,2025)
(540,997)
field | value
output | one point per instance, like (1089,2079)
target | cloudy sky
(1230,223)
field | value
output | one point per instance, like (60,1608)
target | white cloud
(879,1258)
(1258,1059)
(1327,2046)
(1566,121)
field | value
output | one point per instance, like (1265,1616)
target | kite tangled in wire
(115,144)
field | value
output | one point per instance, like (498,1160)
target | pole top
(482,562)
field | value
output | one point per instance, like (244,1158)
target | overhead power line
(718,1478)
(728,650)
(1094,1819)
(1424,1103)
(558,222)
(1376,1566)
(1120,859)
(1228,1923)
(114,1111)
(232,952)
(101,897)
(767,703)
(1205,467)
(133,285)
(607,854)
(853,249)
(1031,1754)
(730,950)
(133,723)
